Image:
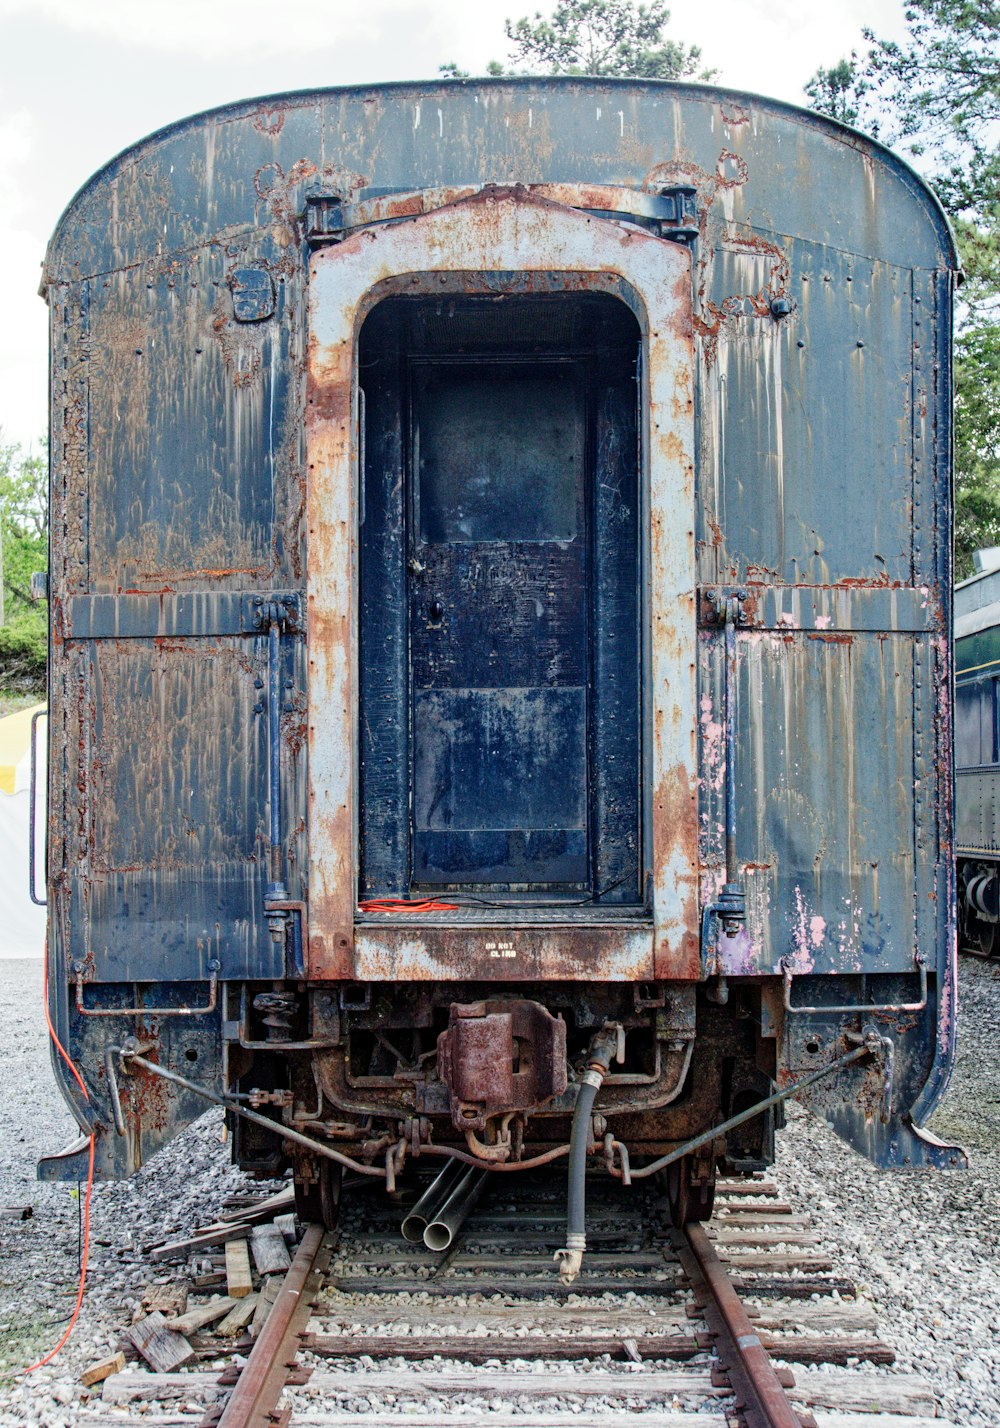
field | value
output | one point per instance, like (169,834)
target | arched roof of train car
(63,258)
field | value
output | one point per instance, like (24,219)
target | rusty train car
(500,656)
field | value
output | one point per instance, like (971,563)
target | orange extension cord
(90,1177)
(401,904)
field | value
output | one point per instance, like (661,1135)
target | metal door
(499,600)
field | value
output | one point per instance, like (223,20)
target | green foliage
(977,443)
(604,37)
(842,92)
(619,38)
(24,653)
(23,532)
(943,88)
(936,98)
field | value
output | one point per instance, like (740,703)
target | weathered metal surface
(460,249)
(817,395)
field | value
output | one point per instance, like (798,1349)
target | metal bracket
(282,610)
(728,914)
(727,604)
(883,1048)
(672,212)
(324,220)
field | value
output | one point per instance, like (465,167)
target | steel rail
(265,1374)
(760,1396)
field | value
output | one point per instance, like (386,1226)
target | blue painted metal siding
(823,488)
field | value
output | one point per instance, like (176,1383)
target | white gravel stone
(181,1188)
(924,1245)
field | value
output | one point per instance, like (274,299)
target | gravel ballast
(922,1245)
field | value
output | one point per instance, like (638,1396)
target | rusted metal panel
(505,953)
(500,231)
(180,395)
(171,749)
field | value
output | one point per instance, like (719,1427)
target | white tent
(22,923)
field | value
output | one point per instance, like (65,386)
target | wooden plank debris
(239,1280)
(267,1245)
(169,1299)
(269,1292)
(217,1235)
(136,1387)
(265,1209)
(162,1348)
(201,1315)
(100,1371)
(286,1224)
(238,1317)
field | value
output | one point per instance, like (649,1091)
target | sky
(79,82)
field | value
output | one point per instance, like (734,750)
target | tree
(23,551)
(619,38)
(842,92)
(936,98)
(604,37)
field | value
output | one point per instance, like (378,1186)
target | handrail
(921,963)
(32,816)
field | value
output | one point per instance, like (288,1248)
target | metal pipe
(732,870)
(214,968)
(752,1111)
(116,1100)
(498,1166)
(456,1209)
(864,1007)
(276,884)
(570,1259)
(276,1127)
(434,1196)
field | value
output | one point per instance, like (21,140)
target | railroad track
(742,1322)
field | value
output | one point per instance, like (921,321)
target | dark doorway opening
(499,615)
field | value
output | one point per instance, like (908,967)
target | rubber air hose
(602,1049)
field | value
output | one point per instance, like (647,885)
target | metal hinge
(680,224)
(281,609)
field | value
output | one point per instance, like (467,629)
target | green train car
(977,754)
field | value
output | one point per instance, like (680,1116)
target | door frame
(503,239)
